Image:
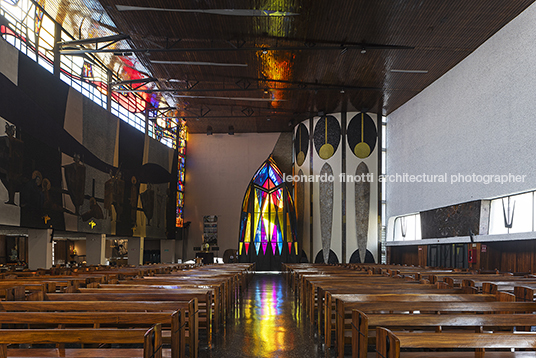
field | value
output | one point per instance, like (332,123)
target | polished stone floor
(266,323)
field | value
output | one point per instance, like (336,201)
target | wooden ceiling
(333,55)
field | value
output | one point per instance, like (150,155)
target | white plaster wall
(218,169)
(478,118)
(9,61)
(9,214)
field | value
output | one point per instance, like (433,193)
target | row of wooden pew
(388,309)
(167,309)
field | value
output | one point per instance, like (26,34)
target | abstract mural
(362,135)
(450,221)
(301,144)
(327,136)
(300,205)
(362,209)
(326,209)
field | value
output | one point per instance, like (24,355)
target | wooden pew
(151,339)
(389,344)
(346,303)
(363,324)
(203,297)
(175,323)
(90,312)
(165,286)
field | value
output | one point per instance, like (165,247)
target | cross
(92,224)
(46,218)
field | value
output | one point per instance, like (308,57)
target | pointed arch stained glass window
(268,218)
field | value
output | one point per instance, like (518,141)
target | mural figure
(75,176)
(11,152)
(48,202)
(147,202)
(32,196)
(170,213)
(134,193)
(114,192)
(159,208)
(95,211)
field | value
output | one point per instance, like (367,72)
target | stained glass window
(182,134)
(268,219)
(31,28)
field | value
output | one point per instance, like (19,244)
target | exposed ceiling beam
(130,82)
(225,12)
(362,47)
(194,63)
(94,40)
(260,89)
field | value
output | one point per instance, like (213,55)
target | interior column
(135,251)
(167,251)
(95,249)
(39,248)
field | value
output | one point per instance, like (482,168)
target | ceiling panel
(332,55)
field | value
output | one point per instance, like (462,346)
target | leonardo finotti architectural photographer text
(457,178)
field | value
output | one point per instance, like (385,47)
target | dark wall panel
(48,92)
(131,146)
(41,200)
(451,221)
(37,108)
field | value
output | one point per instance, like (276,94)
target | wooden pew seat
(389,344)
(151,340)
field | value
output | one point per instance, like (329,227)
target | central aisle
(267,323)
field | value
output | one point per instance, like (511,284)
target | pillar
(167,251)
(135,251)
(39,248)
(96,249)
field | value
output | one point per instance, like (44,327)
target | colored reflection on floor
(266,323)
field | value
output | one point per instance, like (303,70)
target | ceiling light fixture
(192,63)
(342,91)
(233,12)
(410,71)
(266,91)
(264,51)
(363,50)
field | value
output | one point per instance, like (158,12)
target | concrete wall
(478,118)
(218,169)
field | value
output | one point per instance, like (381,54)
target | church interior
(267,178)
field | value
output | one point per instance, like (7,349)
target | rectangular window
(383,171)
(512,214)
(408,228)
